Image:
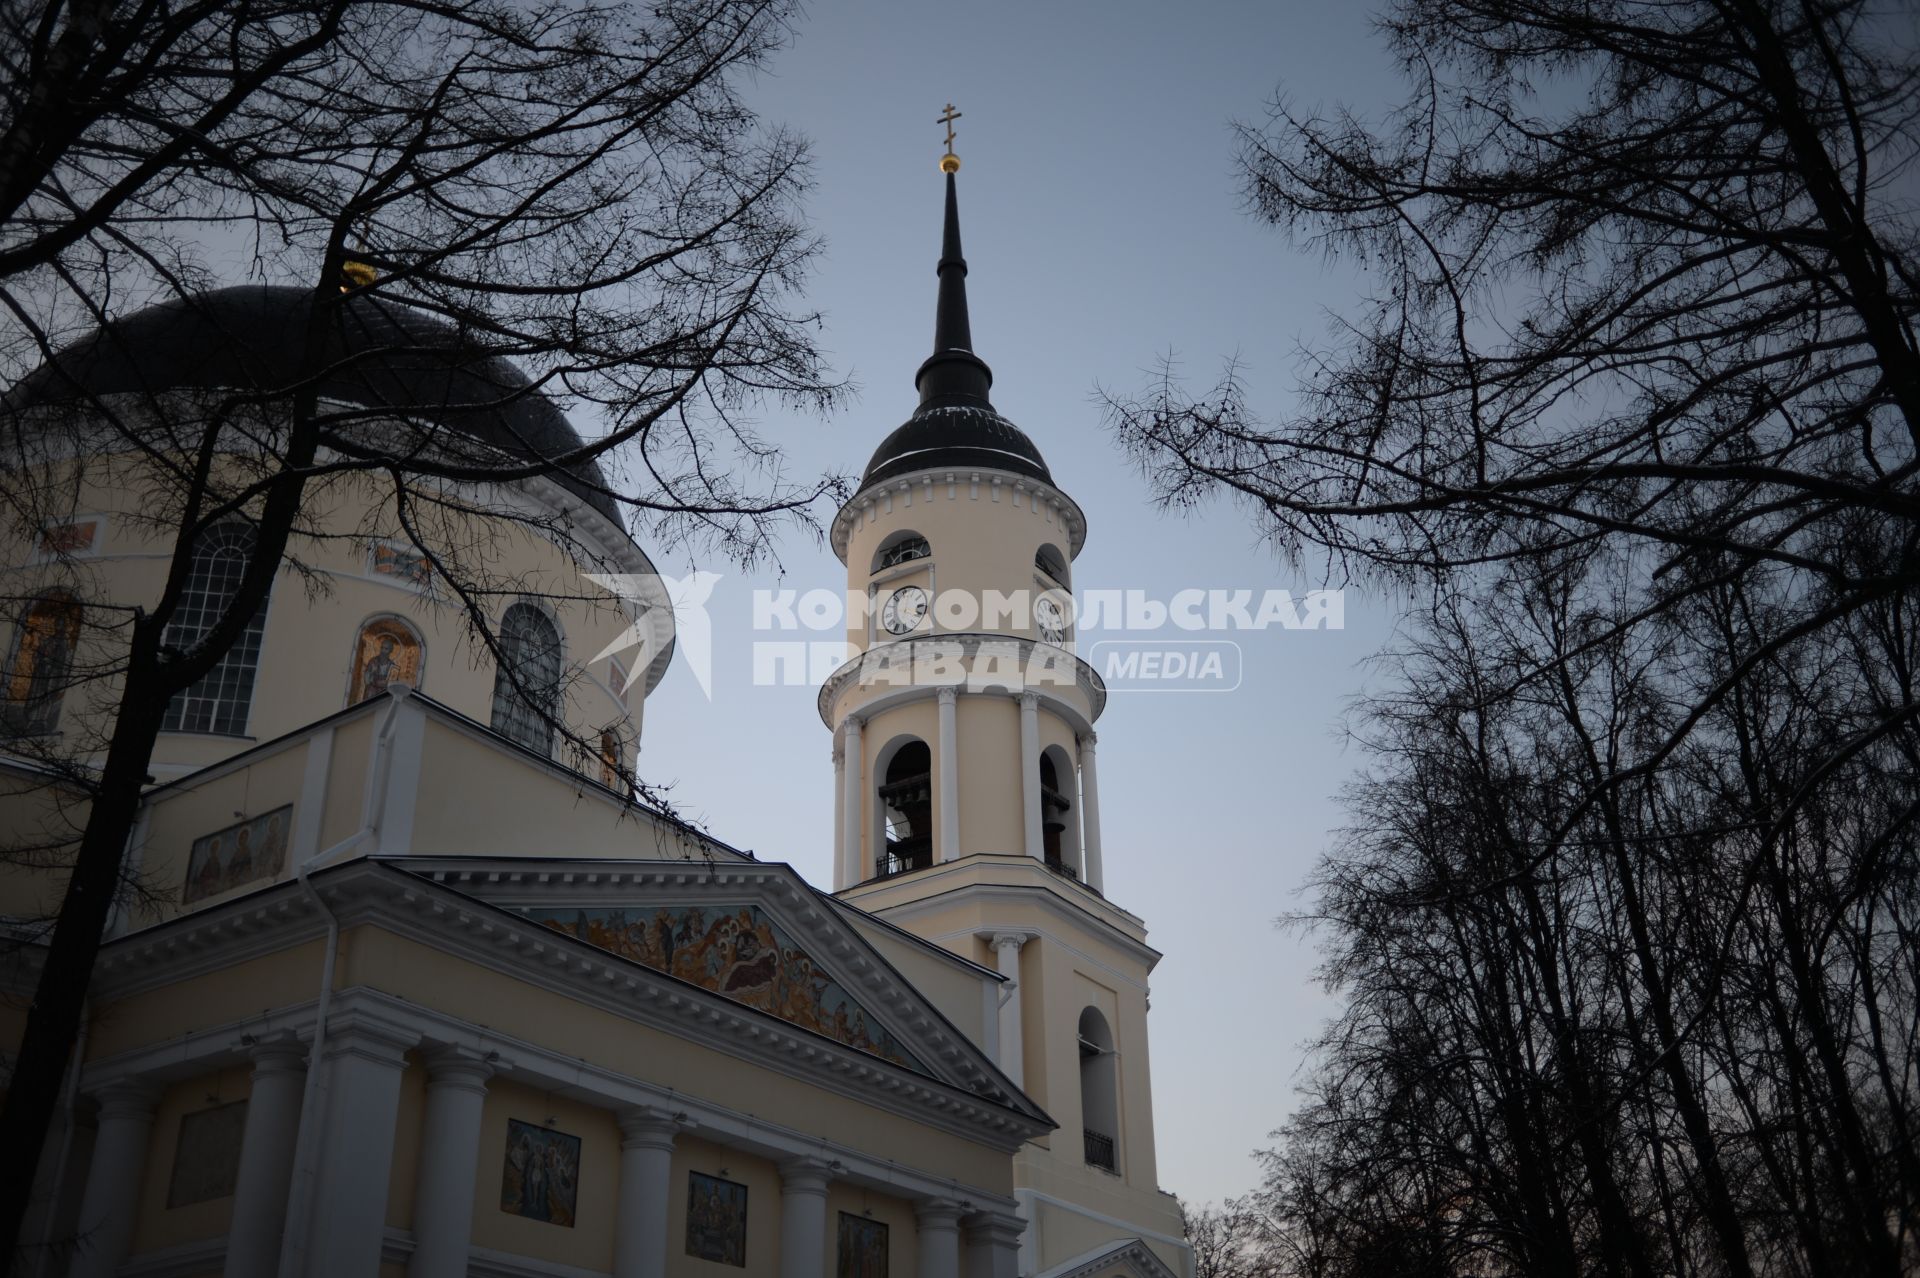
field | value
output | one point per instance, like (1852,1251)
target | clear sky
(1103,228)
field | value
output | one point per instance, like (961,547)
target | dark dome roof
(380,355)
(963,436)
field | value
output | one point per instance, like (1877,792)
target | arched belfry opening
(1099,1091)
(902,547)
(904,809)
(1059,817)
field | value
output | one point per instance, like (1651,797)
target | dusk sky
(1103,228)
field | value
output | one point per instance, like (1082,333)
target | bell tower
(968,805)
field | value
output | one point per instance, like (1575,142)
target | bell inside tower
(906,796)
(1054,807)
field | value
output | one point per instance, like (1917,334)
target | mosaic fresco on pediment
(736,951)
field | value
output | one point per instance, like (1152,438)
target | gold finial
(949,163)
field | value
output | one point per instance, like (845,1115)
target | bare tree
(500,201)
(1232,1240)
(1635,406)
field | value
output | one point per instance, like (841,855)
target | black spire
(953,374)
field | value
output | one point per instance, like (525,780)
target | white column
(349,1203)
(949,796)
(803,1218)
(1006,947)
(1030,772)
(449,1158)
(939,1252)
(851,807)
(1090,815)
(993,1245)
(112,1197)
(839,811)
(646,1178)
(266,1157)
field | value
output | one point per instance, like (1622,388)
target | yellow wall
(311,623)
(161,1226)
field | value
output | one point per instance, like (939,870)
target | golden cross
(949,162)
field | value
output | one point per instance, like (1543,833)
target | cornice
(1086,679)
(1068,511)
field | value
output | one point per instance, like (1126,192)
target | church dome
(960,437)
(380,355)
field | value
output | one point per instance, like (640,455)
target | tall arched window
(1099,1091)
(1059,826)
(220,700)
(906,808)
(530,657)
(41,666)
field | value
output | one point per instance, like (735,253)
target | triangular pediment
(737,948)
(1124,1258)
(752,933)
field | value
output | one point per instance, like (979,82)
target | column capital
(466,1068)
(132,1097)
(994,1227)
(1010,940)
(281,1053)
(1088,740)
(947,694)
(1029,701)
(644,1127)
(805,1176)
(352,1034)
(937,1213)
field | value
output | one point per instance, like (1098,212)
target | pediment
(1126,1258)
(754,934)
(739,949)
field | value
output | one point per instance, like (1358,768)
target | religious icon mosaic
(734,950)
(75,537)
(387,652)
(206,1157)
(251,851)
(541,1179)
(716,1220)
(403,562)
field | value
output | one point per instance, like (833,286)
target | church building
(417,986)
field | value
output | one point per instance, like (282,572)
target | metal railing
(1099,1149)
(903,855)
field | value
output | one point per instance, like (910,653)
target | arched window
(385,652)
(906,808)
(1099,1091)
(220,700)
(1050,561)
(42,664)
(526,684)
(1059,827)
(902,547)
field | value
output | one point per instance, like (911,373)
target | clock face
(904,610)
(1052,621)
